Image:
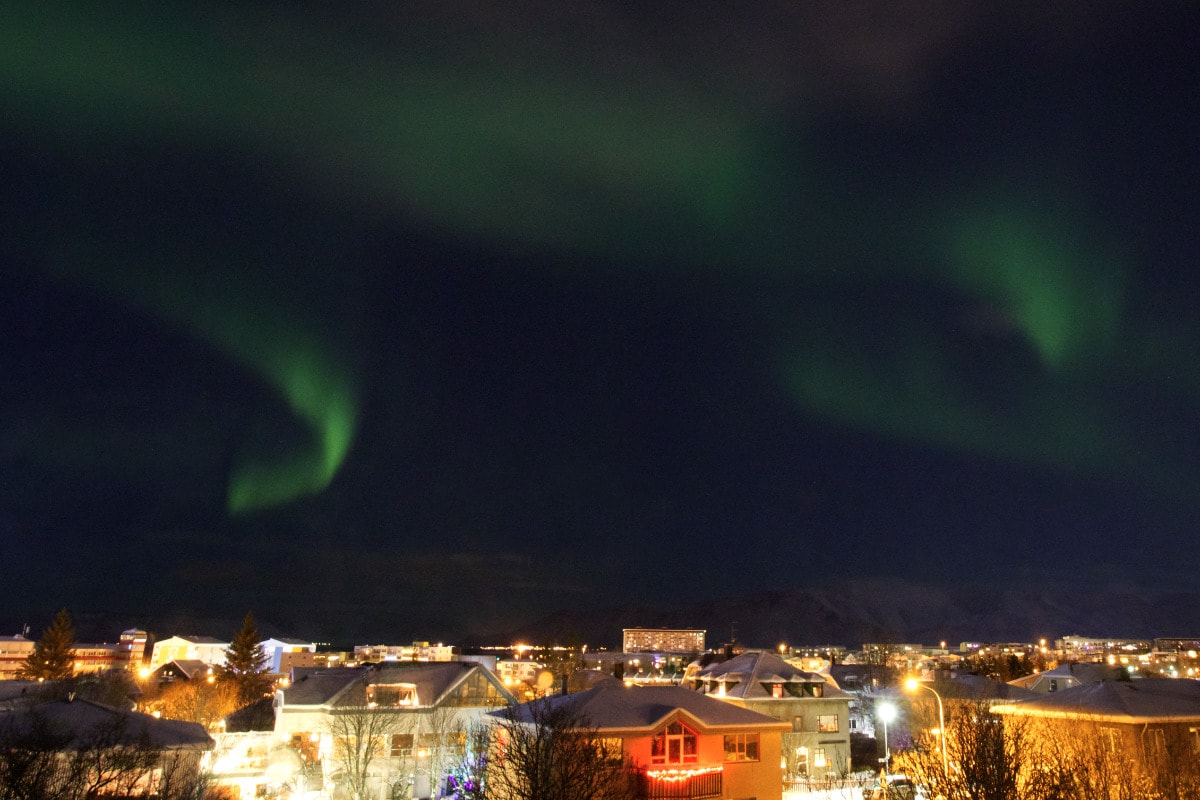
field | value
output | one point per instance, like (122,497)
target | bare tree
(361,736)
(987,757)
(1094,760)
(548,750)
(43,761)
(202,701)
(443,732)
(30,767)
(1023,758)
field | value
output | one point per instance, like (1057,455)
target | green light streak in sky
(259,324)
(321,395)
(1063,295)
(537,151)
(548,156)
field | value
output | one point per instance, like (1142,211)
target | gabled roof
(317,686)
(81,723)
(198,640)
(340,686)
(965,686)
(189,668)
(612,706)
(1078,672)
(1129,702)
(747,673)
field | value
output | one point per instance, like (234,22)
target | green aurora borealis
(969,243)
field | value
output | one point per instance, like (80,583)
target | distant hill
(887,611)
(848,614)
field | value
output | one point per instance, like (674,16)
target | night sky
(425,318)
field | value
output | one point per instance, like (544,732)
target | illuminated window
(827,723)
(392,694)
(818,757)
(611,749)
(1155,741)
(308,745)
(801,761)
(741,747)
(674,744)
(402,743)
(777,690)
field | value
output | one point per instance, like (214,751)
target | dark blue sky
(423,322)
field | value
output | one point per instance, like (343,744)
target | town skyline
(861,612)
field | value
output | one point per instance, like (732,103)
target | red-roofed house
(686,745)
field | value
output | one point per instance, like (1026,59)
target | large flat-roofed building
(663,640)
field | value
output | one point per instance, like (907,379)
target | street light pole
(912,685)
(886,713)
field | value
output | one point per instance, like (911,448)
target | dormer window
(675,744)
(391,694)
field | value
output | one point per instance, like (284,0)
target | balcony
(682,784)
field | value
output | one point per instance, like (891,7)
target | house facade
(685,745)
(127,752)
(415,715)
(189,648)
(1148,727)
(816,744)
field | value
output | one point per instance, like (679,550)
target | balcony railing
(682,784)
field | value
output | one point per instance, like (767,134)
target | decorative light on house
(679,775)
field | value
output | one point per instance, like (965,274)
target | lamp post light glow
(886,712)
(912,685)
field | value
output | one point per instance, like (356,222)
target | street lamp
(912,685)
(886,712)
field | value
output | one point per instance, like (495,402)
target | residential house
(1152,723)
(134,753)
(1068,676)
(191,648)
(419,712)
(942,695)
(686,745)
(182,670)
(817,743)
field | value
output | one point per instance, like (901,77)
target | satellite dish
(545,679)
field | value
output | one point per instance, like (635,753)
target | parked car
(894,787)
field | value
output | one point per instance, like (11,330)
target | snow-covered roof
(341,686)
(969,687)
(1131,702)
(612,706)
(83,723)
(752,672)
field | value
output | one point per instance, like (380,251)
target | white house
(425,711)
(189,648)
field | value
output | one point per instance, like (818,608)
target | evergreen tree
(246,663)
(53,656)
